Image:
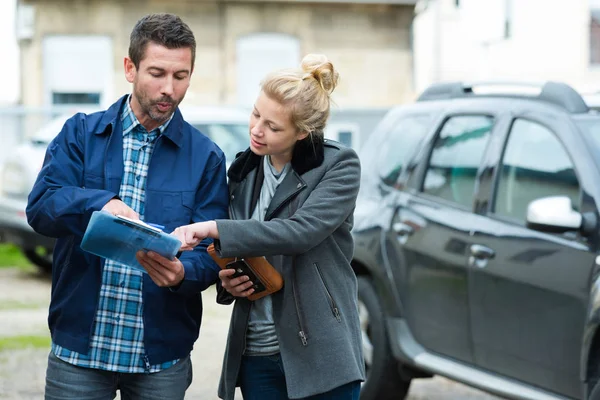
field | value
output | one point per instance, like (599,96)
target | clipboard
(119,238)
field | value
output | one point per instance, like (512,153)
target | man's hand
(238,287)
(117,207)
(164,272)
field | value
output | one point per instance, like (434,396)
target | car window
(456,156)
(231,138)
(534,165)
(392,144)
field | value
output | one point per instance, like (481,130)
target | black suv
(477,239)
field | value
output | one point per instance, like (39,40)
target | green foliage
(11,256)
(24,342)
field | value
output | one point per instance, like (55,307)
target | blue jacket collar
(174,131)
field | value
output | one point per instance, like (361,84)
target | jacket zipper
(302,333)
(334,309)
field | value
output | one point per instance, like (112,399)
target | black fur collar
(308,154)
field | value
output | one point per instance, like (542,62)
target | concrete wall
(548,40)
(369,44)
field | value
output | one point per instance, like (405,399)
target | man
(113,327)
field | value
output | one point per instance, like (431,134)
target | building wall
(369,44)
(547,40)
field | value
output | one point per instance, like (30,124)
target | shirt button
(137,177)
(117,318)
(232,197)
(122,284)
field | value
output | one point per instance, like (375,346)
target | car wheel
(40,257)
(383,379)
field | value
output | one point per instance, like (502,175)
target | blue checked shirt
(117,343)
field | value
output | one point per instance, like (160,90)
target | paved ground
(23,310)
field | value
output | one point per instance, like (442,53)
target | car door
(528,289)
(431,231)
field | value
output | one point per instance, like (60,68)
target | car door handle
(482,252)
(403,229)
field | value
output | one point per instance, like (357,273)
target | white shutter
(258,55)
(78,65)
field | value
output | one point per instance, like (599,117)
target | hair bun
(320,68)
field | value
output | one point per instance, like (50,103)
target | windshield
(391,145)
(231,138)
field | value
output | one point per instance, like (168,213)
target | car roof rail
(557,93)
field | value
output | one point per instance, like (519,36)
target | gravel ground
(24,298)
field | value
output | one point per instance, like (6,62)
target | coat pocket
(332,304)
(171,209)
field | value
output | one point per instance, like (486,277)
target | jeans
(65,381)
(262,378)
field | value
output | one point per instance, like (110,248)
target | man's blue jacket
(82,171)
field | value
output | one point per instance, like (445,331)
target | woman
(292,197)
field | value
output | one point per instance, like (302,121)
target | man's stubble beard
(147,107)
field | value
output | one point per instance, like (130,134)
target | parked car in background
(477,240)
(228,127)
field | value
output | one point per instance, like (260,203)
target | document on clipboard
(119,238)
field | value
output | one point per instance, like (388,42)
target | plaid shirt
(117,343)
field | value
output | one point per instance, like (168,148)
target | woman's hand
(190,236)
(238,287)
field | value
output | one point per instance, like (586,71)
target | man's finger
(163,261)
(151,265)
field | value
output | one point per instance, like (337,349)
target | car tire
(41,259)
(383,377)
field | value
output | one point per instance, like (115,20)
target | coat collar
(308,154)
(174,131)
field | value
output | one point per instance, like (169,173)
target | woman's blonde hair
(306,91)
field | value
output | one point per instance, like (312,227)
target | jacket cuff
(223,296)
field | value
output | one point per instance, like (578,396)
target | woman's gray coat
(306,236)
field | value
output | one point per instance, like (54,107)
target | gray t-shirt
(261,338)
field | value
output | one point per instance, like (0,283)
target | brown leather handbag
(265,277)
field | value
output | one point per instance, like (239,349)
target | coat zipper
(334,309)
(302,333)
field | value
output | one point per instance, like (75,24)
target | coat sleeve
(59,205)
(212,202)
(325,210)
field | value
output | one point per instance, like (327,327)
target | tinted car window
(392,144)
(455,158)
(534,165)
(231,138)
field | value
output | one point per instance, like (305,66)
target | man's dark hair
(167,30)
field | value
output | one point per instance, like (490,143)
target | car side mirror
(553,214)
